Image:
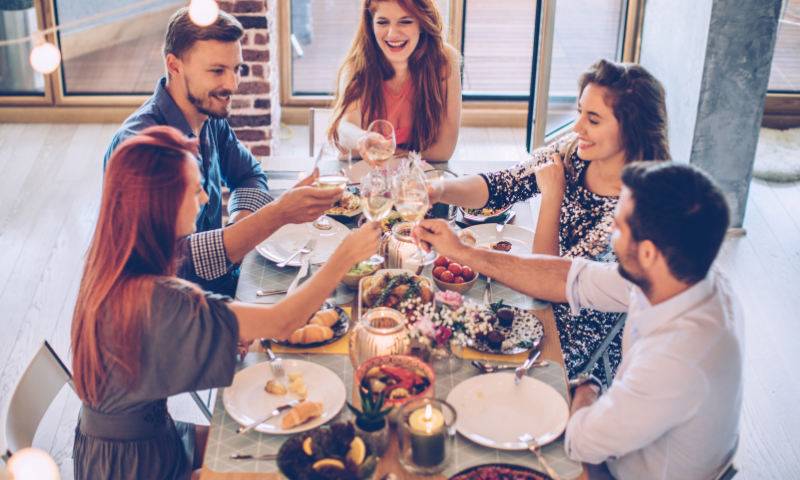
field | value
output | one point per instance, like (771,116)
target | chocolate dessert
(505,316)
(495,340)
(502,246)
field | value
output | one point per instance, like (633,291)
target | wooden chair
(44,377)
(318,120)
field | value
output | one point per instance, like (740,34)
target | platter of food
(481,215)
(513,239)
(497,471)
(255,392)
(291,238)
(325,327)
(513,331)
(494,412)
(391,287)
(348,206)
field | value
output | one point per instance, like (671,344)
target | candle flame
(428,413)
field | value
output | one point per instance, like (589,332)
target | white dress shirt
(672,411)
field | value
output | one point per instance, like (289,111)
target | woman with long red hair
(399,68)
(140,334)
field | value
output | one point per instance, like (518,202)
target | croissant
(311,334)
(301,413)
(325,318)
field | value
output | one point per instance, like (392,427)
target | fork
(310,245)
(534,447)
(275,362)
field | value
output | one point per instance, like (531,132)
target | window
(785,75)
(16,75)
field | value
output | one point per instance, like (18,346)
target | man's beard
(639,280)
(205,107)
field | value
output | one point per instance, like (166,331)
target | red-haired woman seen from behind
(140,335)
(400,69)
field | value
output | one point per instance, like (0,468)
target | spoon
(486,368)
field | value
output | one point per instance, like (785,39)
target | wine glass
(376,201)
(333,169)
(379,143)
(410,194)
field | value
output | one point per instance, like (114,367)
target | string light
(32,464)
(203,12)
(45,57)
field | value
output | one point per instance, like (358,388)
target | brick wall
(255,111)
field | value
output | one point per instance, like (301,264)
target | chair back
(318,120)
(44,377)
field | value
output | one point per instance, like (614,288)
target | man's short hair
(682,211)
(183,33)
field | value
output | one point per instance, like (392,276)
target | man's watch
(582,379)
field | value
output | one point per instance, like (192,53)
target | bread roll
(325,318)
(311,334)
(301,413)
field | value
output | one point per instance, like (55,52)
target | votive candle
(427,436)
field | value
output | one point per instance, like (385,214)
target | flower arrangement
(448,317)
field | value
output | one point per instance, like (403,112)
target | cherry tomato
(459,279)
(467,273)
(447,277)
(441,261)
(455,269)
(437,272)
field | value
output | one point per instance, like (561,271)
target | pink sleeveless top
(399,111)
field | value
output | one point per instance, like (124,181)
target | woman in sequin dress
(621,117)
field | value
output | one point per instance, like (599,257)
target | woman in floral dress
(621,117)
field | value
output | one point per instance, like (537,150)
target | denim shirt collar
(169,109)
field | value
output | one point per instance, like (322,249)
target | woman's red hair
(134,242)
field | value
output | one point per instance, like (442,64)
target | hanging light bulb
(203,12)
(45,57)
(32,464)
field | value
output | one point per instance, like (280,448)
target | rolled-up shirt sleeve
(248,199)
(204,255)
(598,286)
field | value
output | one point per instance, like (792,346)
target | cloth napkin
(339,347)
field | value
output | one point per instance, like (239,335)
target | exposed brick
(239,103)
(257,21)
(255,55)
(260,150)
(260,39)
(250,135)
(245,39)
(249,120)
(258,71)
(247,88)
(226,7)
(262,103)
(245,70)
(248,6)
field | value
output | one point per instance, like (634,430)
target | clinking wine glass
(410,194)
(333,169)
(379,143)
(376,201)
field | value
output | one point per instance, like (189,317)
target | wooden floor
(50,177)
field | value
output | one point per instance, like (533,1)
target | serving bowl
(351,281)
(461,288)
(407,361)
(473,219)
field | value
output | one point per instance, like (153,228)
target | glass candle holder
(381,331)
(426,431)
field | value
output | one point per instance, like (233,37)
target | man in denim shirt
(203,71)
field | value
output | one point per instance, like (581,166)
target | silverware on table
(535,352)
(307,248)
(267,293)
(534,447)
(272,414)
(487,294)
(502,223)
(305,265)
(486,368)
(269,456)
(275,362)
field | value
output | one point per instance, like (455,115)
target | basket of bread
(326,326)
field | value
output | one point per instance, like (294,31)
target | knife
(487,294)
(520,371)
(304,266)
(272,414)
(502,223)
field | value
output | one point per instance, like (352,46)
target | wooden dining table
(389,462)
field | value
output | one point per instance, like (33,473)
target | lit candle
(427,436)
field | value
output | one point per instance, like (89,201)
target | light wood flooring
(50,178)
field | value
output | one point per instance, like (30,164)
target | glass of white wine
(410,194)
(379,144)
(376,201)
(333,166)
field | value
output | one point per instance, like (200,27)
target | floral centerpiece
(448,318)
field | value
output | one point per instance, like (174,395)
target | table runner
(223,441)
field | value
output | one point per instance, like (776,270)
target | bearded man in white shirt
(673,409)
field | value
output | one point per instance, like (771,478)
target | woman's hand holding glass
(550,176)
(379,144)
(359,244)
(410,194)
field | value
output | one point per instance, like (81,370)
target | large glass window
(785,76)
(120,54)
(16,75)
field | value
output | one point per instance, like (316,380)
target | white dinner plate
(494,412)
(291,238)
(521,238)
(246,400)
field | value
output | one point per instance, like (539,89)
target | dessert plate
(246,400)
(494,412)
(290,238)
(521,239)
(525,326)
